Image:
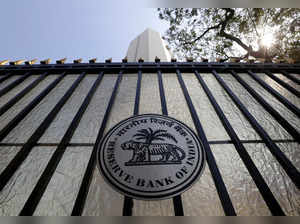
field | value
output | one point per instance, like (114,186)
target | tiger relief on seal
(149,153)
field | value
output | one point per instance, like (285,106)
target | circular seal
(151,157)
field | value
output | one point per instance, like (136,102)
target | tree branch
(250,16)
(203,34)
(228,16)
(261,53)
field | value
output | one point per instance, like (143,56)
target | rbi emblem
(151,157)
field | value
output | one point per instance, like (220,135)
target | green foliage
(214,32)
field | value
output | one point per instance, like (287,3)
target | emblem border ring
(124,190)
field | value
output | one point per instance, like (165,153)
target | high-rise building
(147,46)
(53,116)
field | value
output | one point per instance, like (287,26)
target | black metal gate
(289,71)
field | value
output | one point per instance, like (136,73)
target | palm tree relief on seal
(149,153)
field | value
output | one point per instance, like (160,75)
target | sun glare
(267,39)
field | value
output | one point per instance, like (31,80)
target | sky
(72,28)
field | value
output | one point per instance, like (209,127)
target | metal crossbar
(141,69)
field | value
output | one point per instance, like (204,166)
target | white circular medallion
(151,157)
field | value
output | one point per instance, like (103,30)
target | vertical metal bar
(266,193)
(20,116)
(290,77)
(127,206)
(177,200)
(278,96)
(6,76)
(19,96)
(162,94)
(128,202)
(14,84)
(286,164)
(47,174)
(282,83)
(216,175)
(280,119)
(86,181)
(138,93)
(12,167)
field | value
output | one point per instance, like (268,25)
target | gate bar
(162,94)
(21,94)
(263,188)
(278,96)
(149,67)
(282,83)
(85,144)
(289,76)
(128,202)
(86,180)
(219,183)
(138,93)
(10,86)
(20,116)
(48,172)
(177,201)
(22,154)
(280,119)
(286,164)
(6,76)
